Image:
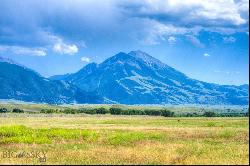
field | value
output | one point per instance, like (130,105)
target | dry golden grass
(128,140)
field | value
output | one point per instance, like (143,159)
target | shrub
(167,113)
(3,110)
(87,111)
(209,114)
(192,114)
(115,111)
(141,112)
(153,112)
(70,111)
(49,111)
(125,112)
(17,110)
(135,112)
(231,115)
(101,110)
(119,111)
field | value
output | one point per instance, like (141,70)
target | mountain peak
(10,61)
(149,60)
(121,56)
(89,67)
(137,52)
(92,64)
(2,59)
(136,56)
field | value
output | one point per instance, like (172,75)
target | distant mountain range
(126,78)
(20,83)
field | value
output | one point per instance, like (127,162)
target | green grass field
(107,139)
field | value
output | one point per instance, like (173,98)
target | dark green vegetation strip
(120,111)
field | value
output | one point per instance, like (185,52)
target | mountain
(77,76)
(59,77)
(20,83)
(138,78)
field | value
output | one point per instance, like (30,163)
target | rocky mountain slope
(138,78)
(20,83)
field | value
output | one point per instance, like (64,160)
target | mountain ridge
(21,83)
(138,78)
(125,78)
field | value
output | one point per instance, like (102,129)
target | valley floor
(106,139)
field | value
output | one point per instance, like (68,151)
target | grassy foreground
(106,139)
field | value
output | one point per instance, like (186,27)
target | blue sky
(205,39)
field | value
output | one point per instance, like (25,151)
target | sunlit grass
(126,140)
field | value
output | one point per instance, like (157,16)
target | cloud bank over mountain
(57,30)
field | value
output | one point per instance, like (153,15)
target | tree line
(120,111)
(15,110)
(112,111)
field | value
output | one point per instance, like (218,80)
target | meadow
(121,139)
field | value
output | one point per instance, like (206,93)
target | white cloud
(62,48)
(229,39)
(29,51)
(187,17)
(53,42)
(227,72)
(3,48)
(195,41)
(85,59)
(155,31)
(192,12)
(206,55)
(155,20)
(243,5)
(18,50)
(171,40)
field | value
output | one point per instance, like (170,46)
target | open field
(107,139)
